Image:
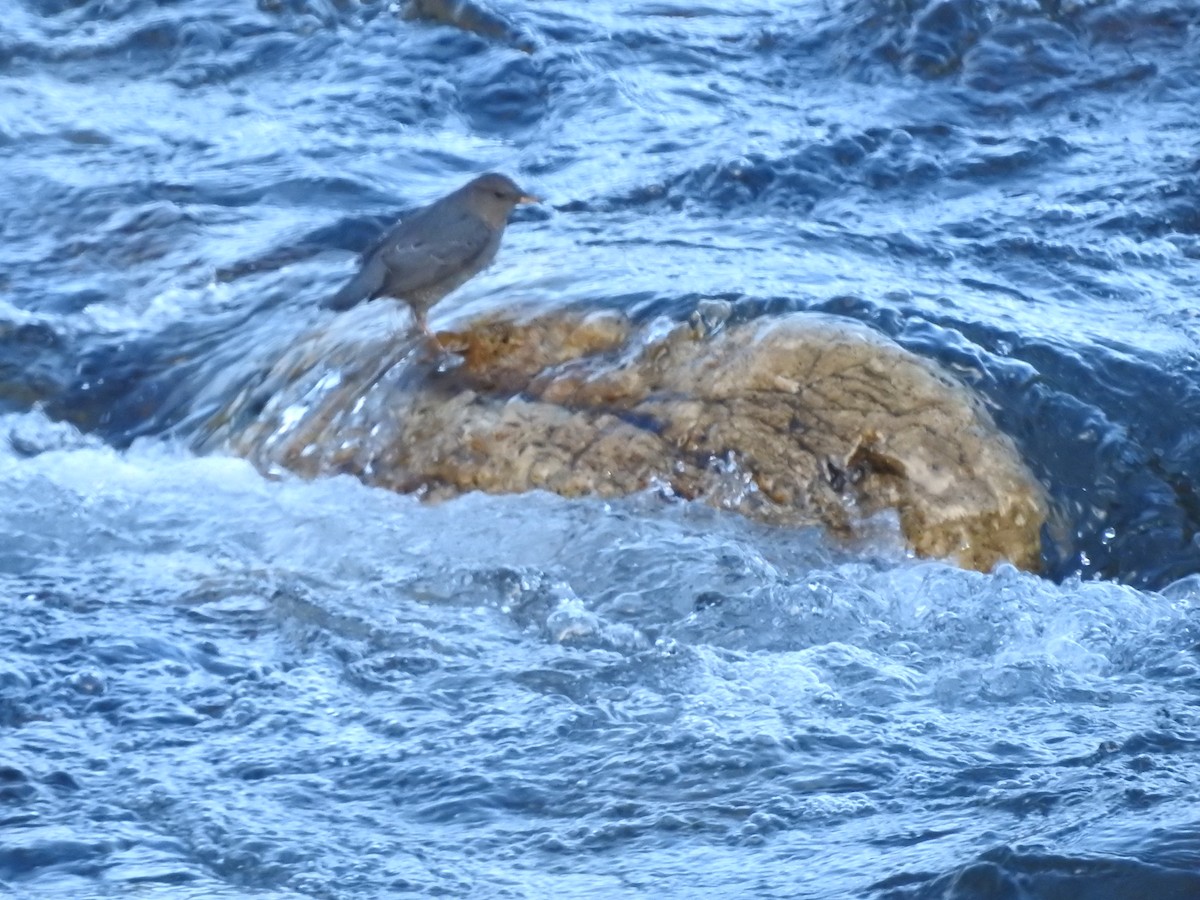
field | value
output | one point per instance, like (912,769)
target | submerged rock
(805,419)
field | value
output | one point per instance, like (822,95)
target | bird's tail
(362,286)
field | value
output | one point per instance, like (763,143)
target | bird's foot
(447,361)
(443,358)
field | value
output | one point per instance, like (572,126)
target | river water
(216,682)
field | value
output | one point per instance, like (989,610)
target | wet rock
(471,17)
(805,419)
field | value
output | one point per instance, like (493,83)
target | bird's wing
(429,249)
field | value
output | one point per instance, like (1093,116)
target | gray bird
(437,248)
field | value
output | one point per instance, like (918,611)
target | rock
(472,17)
(805,419)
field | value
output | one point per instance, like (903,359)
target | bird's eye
(499,194)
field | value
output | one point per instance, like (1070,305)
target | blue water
(215,683)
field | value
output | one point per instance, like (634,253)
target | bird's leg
(445,359)
(423,324)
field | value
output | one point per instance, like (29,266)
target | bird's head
(494,195)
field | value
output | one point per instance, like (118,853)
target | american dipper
(437,248)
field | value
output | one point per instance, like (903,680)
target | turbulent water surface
(219,683)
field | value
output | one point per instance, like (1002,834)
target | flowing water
(220,683)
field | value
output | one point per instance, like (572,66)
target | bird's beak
(528,198)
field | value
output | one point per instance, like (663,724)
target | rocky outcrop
(804,419)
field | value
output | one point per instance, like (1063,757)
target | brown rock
(469,16)
(805,419)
